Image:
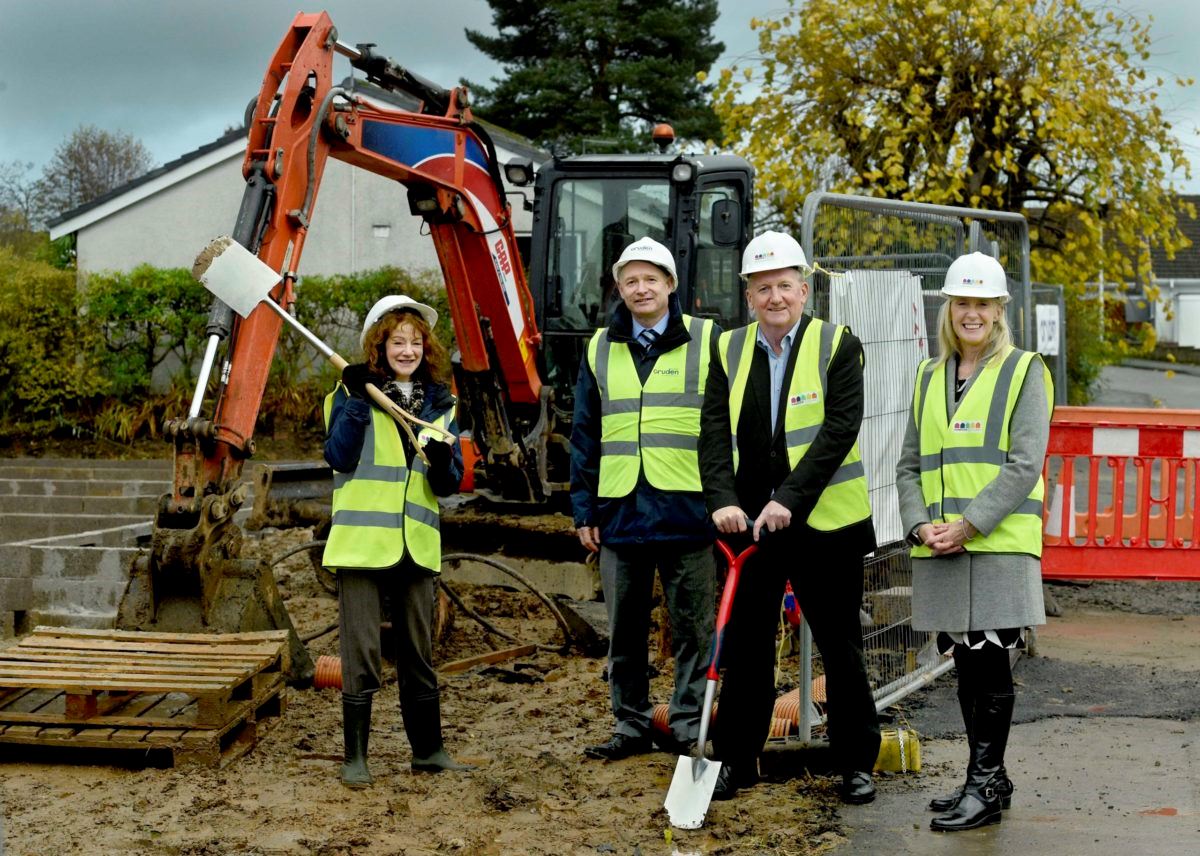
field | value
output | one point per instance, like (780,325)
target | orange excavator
(514,375)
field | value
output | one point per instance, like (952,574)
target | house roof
(233,144)
(172,172)
(1186,264)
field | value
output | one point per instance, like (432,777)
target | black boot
(1004,785)
(423,724)
(980,801)
(733,776)
(356,728)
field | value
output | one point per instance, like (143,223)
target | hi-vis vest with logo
(383,507)
(844,500)
(961,455)
(653,427)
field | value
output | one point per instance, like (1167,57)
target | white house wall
(360,222)
(1180,297)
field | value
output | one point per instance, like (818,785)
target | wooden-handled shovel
(243,281)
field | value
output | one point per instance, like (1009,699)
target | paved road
(1105,751)
(1123,386)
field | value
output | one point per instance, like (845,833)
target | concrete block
(83,619)
(26,527)
(8,629)
(14,561)
(83,487)
(142,506)
(15,594)
(81,563)
(76,596)
(890,606)
(576,580)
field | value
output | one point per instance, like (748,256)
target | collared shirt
(659,328)
(778,365)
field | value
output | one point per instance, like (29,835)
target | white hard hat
(646,250)
(772,251)
(396,301)
(976,275)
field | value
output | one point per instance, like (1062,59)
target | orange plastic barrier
(1094,529)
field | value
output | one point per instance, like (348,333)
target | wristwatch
(914,537)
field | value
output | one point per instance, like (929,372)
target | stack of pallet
(179,698)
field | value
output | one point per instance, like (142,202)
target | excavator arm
(194,576)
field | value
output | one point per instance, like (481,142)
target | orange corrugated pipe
(329,673)
(780,725)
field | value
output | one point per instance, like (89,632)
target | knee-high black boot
(981,799)
(1004,785)
(356,728)
(423,723)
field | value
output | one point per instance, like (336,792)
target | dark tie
(647,337)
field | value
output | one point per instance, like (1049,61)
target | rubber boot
(980,802)
(423,723)
(356,728)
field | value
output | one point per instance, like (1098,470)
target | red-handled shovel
(695,776)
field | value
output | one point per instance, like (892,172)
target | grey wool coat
(980,591)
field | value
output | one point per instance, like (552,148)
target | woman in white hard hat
(385,537)
(970,486)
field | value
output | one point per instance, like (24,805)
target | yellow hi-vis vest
(844,500)
(383,507)
(960,456)
(655,427)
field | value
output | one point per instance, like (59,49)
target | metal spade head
(691,791)
(235,275)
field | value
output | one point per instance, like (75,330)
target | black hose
(458,601)
(523,580)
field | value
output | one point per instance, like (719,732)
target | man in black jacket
(778,445)
(635,490)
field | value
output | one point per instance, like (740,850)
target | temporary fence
(1122,491)
(1050,323)
(889,260)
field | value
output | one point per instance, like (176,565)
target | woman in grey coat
(970,486)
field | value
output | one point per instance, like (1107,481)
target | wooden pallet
(197,697)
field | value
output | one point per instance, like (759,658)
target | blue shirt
(659,328)
(778,366)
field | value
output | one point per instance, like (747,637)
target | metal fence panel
(1052,295)
(889,259)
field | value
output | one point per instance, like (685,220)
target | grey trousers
(411,592)
(689,583)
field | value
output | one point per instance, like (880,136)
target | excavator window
(718,290)
(595,218)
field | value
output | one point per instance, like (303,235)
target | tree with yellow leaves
(1037,106)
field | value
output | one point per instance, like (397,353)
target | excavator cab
(588,208)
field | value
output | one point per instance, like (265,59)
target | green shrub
(142,318)
(45,365)
(84,363)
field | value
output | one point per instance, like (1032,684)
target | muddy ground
(525,723)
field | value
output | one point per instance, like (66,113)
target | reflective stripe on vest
(655,427)
(844,500)
(960,456)
(383,507)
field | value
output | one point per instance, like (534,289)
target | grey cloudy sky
(176,73)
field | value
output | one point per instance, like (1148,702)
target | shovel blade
(691,791)
(235,275)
